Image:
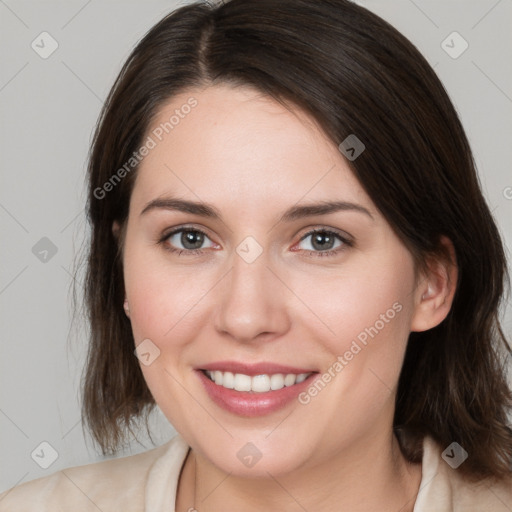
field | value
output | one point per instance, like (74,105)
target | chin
(255,457)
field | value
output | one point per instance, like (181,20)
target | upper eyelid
(172,231)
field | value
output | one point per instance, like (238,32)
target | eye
(325,242)
(186,240)
(190,241)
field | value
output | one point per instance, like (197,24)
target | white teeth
(242,382)
(228,380)
(277,381)
(258,383)
(289,380)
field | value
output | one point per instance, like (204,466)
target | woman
(287,227)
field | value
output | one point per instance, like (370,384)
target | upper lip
(254,368)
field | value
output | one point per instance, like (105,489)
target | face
(305,312)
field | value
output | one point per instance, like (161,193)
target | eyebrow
(294,213)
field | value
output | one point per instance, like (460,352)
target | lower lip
(251,404)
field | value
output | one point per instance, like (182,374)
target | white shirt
(148,482)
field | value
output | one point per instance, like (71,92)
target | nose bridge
(250,303)
(249,273)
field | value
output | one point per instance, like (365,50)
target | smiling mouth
(257,383)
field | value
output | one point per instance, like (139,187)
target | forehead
(238,143)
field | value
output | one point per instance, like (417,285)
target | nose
(252,302)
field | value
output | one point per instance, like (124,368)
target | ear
(435,290)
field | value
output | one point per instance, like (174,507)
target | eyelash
(315,254)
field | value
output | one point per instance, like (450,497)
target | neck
(370,475)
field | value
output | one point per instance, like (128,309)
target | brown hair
(354,74)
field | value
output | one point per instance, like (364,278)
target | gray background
(48,110)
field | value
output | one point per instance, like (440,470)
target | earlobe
(115,229)
(126,308)
(436,290)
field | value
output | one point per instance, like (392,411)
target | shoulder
(116,484)
(443,489)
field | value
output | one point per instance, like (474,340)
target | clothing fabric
(147,482)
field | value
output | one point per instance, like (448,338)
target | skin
(252,159)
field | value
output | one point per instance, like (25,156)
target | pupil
(192,237)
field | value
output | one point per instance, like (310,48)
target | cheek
(163,297)
(165,304)
(362,302)
(369,311)
(362,323)
(374,317)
